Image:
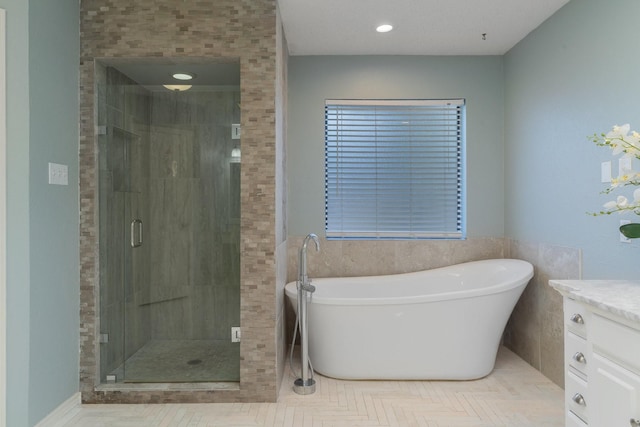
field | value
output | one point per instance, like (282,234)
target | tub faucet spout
(303,277)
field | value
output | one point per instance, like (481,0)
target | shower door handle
(136,233)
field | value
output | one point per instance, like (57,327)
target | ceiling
(347,27)
(421,27)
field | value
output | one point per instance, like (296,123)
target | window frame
(408,231)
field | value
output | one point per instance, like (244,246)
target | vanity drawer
(577,396)
(576,317)
(618,342)
(573,421)
(576,352)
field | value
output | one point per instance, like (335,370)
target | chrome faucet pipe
(302,258)
(304,385)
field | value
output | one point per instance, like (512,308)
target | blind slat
(394,169)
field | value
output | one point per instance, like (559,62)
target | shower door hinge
(104,338)
(235,334)
(235,131)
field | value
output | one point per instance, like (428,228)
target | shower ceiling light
(177,88)
(236,155)
(384,28)
(183,76)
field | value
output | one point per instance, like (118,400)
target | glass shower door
(169,236)
(122,217)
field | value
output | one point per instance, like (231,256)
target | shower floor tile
(167,361)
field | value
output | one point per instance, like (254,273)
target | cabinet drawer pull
(634,422)
(576,318)
(579,399)
(579,357)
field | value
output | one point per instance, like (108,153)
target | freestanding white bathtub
(444,323)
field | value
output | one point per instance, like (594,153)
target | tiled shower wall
(194,196)
(208,30)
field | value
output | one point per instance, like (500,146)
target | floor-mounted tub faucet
(303,277)
(306,384)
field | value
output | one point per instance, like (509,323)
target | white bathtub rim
(494,288)
(418,299)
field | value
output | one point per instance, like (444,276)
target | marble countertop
(619,297)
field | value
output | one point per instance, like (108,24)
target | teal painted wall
(18,262)
(54,49)
(573,76)
(42,219)
(313,79)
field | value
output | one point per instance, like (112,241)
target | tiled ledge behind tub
(535,329)
(340,258)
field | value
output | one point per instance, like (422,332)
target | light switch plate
(605,171)
(624,165)
(58,174)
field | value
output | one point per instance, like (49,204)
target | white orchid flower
(625,178)
(621,202)
(618,148)
(627,175)
(632,145)
(622,141)
(616,138)
(619,131)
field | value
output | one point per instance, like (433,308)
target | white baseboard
(62,413)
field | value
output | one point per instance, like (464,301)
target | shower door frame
(132,186)
(3,224)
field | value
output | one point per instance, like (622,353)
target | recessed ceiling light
(384,28)
(177,88)
(183,76)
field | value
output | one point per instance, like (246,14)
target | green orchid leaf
(630,231)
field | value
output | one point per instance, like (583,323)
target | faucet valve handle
(307,286)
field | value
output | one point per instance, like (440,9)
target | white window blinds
(394,169)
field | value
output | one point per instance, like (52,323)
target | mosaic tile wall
(221,30)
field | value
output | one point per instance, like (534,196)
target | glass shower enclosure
(169,214)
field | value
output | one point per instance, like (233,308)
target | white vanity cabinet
(602,352)
(617,393)
(615,373)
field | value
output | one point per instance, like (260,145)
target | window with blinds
(394,169)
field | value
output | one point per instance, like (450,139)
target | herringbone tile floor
(513,395)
